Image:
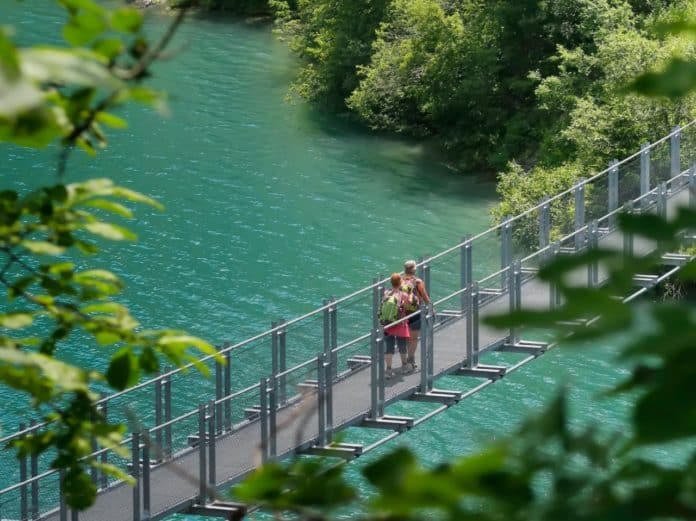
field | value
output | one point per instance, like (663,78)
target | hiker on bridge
(391,310)
(416,294)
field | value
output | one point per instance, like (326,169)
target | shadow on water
(416,166)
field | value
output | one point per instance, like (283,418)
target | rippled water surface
(272,207)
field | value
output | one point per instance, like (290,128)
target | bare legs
(413,345)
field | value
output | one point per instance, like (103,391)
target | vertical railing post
(74,515)
(613,192)
(135,472)
(374,351)
(424,334)
(593,242)
(662,200)
(333,341)
(426,276)
(158,418)
(327,326)
(34,470)
(146,474)
(273,418)
(263,418)
(692,187)
(675,152)
(554,296)
(512,285)
(579,214)
(283,362)
(627,235)
(380,379)
(469,309)
(219,393)
(228,389)
(644,174)
(202,456)
(104,456)
(275,354)
(544,224)
(211,479)
(505,249)
(62,506)
(329,383)
(321,397)
(466,269)
(168,415)
(475,320)
(431,346)
(23,499)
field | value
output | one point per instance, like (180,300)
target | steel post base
(223,509)
(346,451)
(492,372)
(395,423)
(443,396)
(525,347)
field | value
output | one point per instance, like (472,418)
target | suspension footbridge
(290,389)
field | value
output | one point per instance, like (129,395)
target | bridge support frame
(628,236)
(544,224)
(675,152)
(579,192)
(466,269)
(613,192)
(593,242)
(505,250)
(644,174)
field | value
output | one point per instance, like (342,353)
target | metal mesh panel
(445,274)
(629,181)
(659,163)
(485,252)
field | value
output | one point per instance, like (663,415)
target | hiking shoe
(389,374)
(407,368)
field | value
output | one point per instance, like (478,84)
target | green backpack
(390,309)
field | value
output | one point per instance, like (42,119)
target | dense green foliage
(530,81)
(56,288)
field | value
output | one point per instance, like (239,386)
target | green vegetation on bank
(523,88)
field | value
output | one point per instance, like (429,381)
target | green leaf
(127,20)
(79,490)
(132,195)
(111,120)
(678,79)
(188,340)
(109,206)
(109,48)
(110,231)
(107,338)
(387,472)
(123,370)
(148,360)
(16,320)
(9,64)
(83,27)
(67,67)
(16,97)
(42,247)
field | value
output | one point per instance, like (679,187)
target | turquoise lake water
(273,206)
